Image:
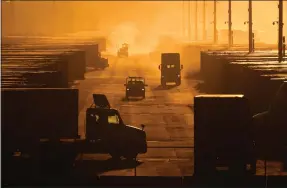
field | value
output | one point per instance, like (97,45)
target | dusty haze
(139,23)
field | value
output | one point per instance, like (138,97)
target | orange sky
(140,21)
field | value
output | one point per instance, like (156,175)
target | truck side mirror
(159,67)
(125,84)
(145,85)
(181,67)
(143,126)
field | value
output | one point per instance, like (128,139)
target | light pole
(229,24)
(250,30)
(204,20)
(189,32)
(196,21)
(215,37)
(280,31)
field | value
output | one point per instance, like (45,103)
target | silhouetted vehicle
(101,63)
(135,87)
(124,50)
(105,126)
(46,130)
(170,68)
(271,126)
(223,139)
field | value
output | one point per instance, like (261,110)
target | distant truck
(170,68)
(42,123)
(124,50)
(101,63)
(135,86)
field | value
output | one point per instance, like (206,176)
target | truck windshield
(170,66)
(131,81)
(113,119)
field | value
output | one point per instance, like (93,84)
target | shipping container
(222,133)
(39,113)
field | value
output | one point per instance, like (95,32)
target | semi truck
(101,63)
(170,68)
(42,125)
(124,50)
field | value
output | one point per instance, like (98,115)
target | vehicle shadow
(124,99)
(87,168)
(167,87)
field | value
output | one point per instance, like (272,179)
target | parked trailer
(254,80)
(223,135)
(271,127)
(91,49)
(19,71)
(76,60)
(214,67)
(43,79)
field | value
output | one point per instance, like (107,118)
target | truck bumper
(135,93)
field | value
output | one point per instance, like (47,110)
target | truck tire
(252,170)
(178,82)
(131,156)
(163,83)
(115,155)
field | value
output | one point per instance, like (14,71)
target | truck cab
(170,68)
(124,50)
(135,86)
(101,63)
(105,125)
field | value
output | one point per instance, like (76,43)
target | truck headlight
(128,89)
(142,89)
(178,75)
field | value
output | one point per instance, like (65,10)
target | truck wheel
(131,156)
(163,83)
(178,82)
(252,170)
(115,155)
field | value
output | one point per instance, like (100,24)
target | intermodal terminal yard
(166,113)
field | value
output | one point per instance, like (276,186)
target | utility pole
(280,32)
(189,32)
(204,20)
(229,24)
(251,47)
(196,20)
(214,22)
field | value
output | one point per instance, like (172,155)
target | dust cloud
(147,26)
